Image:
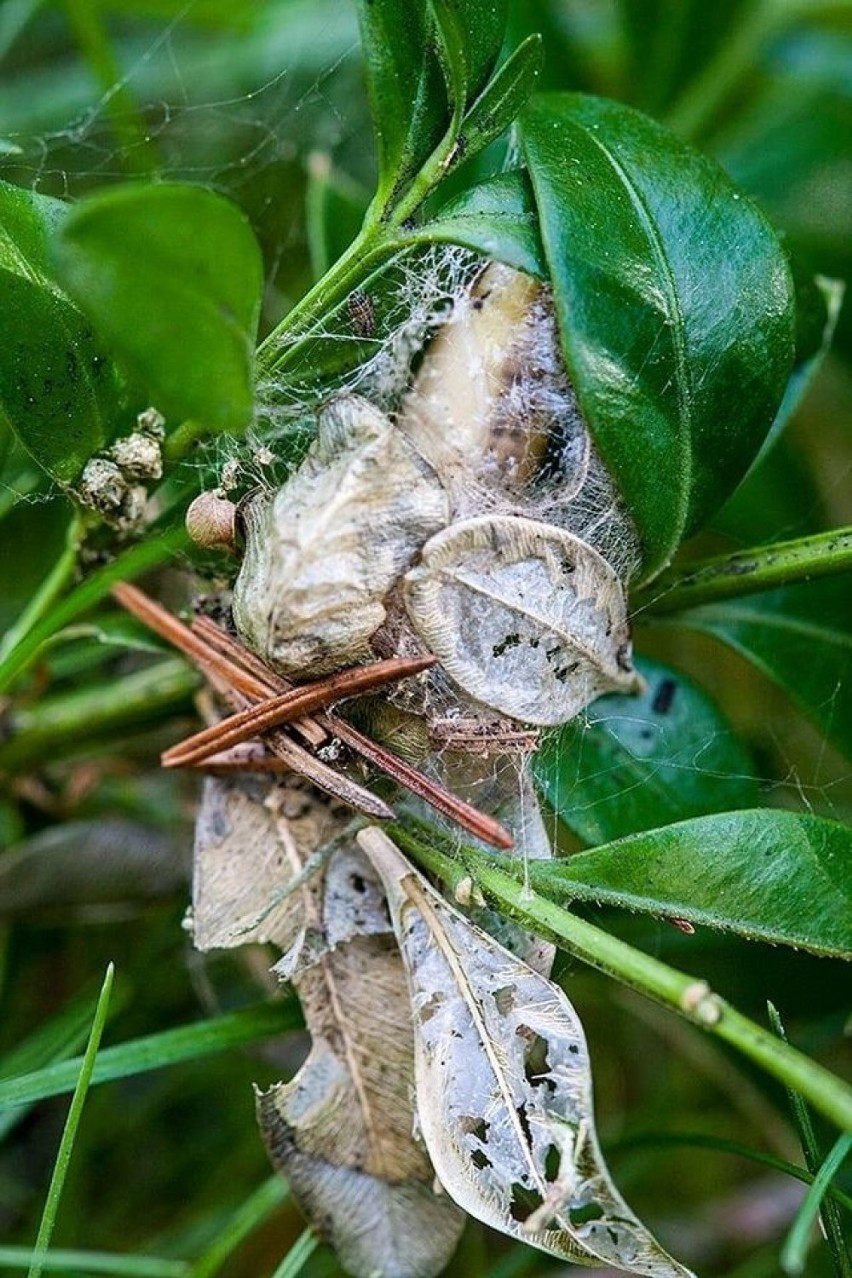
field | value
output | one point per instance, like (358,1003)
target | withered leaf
(504,1086)
(341,1130)
(525,617)
(324,551)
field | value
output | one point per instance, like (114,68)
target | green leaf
(335,208)
(801,638)
(772,876)
(469,39)
(497,219)
(172,276)
(635,763)
(415,55)
(675,303)
(496,109)
(59,392)
(406,87)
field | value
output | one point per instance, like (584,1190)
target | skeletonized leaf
(525,617)
(504,1086)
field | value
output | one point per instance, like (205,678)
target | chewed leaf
(504,1086)
(525,617)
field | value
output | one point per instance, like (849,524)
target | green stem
(746,572)
(151,553)
(296,1258)
(690,998)
(53,726)
(372,247)
(138,152)
(48,592)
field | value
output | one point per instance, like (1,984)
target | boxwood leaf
(800,637)
(501,100)
(781,877)
(172,276)
(635,762)
(675,303)
(496,218)
(59,392)
(419,57)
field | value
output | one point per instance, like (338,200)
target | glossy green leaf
(497,218)
(469,39)
(412,63)
(501,100)
(773,876)
(59,392)
(675,304)
(634,763)
(406,87)
(801,638)
(172,277)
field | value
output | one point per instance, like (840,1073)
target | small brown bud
(211,522)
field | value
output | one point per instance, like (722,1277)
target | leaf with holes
(504,1086)
(272,863)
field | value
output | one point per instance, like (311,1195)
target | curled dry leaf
(504,1086)
(324,551)
(275,863)
(526,618)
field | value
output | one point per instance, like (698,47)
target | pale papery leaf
(504,1089)
(525,617)
(274,863)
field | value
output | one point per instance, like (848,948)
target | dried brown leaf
(504,1086)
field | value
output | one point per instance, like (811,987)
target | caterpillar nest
(478,523)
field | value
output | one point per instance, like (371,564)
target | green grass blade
(302,1249)
(700,1140)
(95,1262)
(188,1042)
(829,1211)
(271,1194)
(69,1134)
(794,1251)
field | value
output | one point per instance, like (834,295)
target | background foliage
(266,103)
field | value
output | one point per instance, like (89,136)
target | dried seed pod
(324,551)
(526,618)
(211,522)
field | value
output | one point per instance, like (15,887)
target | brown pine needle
(291,705)
(246,681)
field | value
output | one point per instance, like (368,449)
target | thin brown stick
(477,823)
(291,705)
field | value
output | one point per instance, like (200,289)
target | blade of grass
(69,1134)
(794,1251)
(829,1211)
(700,1140)
(270,1195)
(188,1042)
(96,1262)
(302,1249)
